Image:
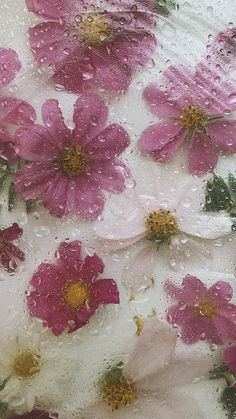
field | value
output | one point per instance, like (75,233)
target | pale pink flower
(201,312)
(69,168)
(150,380)
(193,105)
(169,216)
(90,45)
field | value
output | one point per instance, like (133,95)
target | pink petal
(157,136)
(55,9)
(110,175)
(9,66)
(16,111)
(34,143)
(145,359)
(138,272)
(221,292)
(230,358)
(133,47)
(170,149)
(109,143)
(69,257)
(111,74)
(8,263)
(51,42)
(192,289)
(105,291)
(15,251)
(223,134)
(89,201)
(76,74)
(90,115)
(34,179)
(226,328)
(11,233)
(54,122)
(91,267)
(55,196)
(203,155)
(46,280)
(159,102)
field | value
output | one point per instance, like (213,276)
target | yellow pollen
(192,117)
(95,30)
(75,295)
(26,364)
(206,309)
(161,223)
(120,394)
(73,161)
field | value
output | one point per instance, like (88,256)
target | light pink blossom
(155,375)
(67,168)
(88,47)
(230,358)
(192,105)
(201,312)
(66,294)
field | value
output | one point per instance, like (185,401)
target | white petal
(207,226)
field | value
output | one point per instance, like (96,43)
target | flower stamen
(120,394)
(206,309)
(75,295)
(95,30)
(161,223)
(73,161)
(26,364)
(192,117)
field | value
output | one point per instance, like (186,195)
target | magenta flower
(35,414)
(66,294)
(202,313)
(8,251)
(230,358)
(12,110)
(192,104)
(69,168)
(88,47)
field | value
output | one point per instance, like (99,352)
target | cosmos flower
(36,414)
(69,168)
(148,383)
(90,47)
(8,250)
(202,313)
(230,358)
(168,216)
(34,371)
(66,294)
(193,105)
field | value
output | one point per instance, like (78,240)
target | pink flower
(202,313)
(221,51)
(148,383)
(66,294)
(35,414)
(68,168)
(8,251)
(12,110)
(230,358)
(192,105)
(89,47)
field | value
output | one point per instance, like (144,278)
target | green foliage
(228,399)
(218,371)
(163,6)
(221,195)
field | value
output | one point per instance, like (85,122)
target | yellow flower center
(75,295)
(161,223)
(73,161)
(206,309)
(26,364)
(119,394)
(95,30)
(192,117)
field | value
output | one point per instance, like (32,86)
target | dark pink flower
(66,294)
(202,313)
(89,47)
(12,110)
(8,251)
(192,104)
(36,414)
(230,358)
(69,168)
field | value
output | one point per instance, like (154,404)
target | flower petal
(206,226)
(203,155)
(109,143)
(230,358)
(16,111)
(89,201)
(69,257)
(223,133)
(192,288)
(110,175)
(159,102)
(55,9)
(54,122)
(11,233)
(9,66)
(90,115)
(221,292)
(105,291)
(91,267)
(157,136)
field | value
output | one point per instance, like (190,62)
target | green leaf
(218,196)
(218,371)
(12,196)
(232,183)
(2,181)
(228,399)
(163,6)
